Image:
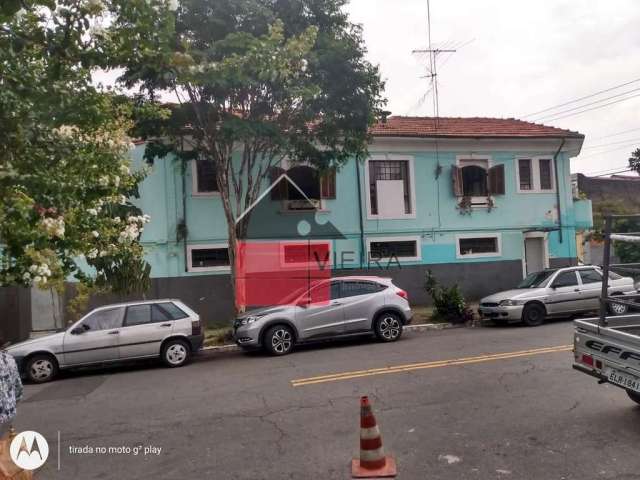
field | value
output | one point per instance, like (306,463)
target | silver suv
(167,329)
(327,309)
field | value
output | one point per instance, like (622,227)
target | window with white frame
(203,173)
(387,249)
(206,258)
(535,175)
(390,187)
(480,245)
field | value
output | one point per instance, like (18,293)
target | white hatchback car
(165,329)
(555,293)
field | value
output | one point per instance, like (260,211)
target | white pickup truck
(608,348)
(610,353)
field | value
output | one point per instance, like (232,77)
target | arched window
(474,181)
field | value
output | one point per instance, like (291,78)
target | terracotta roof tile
(467,127)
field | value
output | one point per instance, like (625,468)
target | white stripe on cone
(371,455)
(369,433)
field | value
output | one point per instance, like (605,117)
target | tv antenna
(433,64)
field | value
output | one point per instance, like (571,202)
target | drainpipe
(184,206)
(360,214)
(555,171)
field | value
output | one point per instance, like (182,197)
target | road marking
(424,365)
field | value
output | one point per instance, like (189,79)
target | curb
(222,348)
(421,327)
(415,328)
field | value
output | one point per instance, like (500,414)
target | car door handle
(114,332)
(165,325)
(576,290)
(335,304)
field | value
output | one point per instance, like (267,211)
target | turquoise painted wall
(437,219)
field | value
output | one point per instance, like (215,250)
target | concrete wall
(615,189)
(15,314)
(210,295)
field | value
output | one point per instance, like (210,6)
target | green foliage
(64,152)
(448,302)
(627,252)
(264,79)
(634,161)
(606,207)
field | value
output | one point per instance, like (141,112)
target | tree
(256,81)
(634,161)
(627,252)
(65,173)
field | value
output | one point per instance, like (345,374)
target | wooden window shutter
(496,180)
(328,184)
(456,178)
(279,191)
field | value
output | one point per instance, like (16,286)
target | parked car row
(171,331)
(332,308)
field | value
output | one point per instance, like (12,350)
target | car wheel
(175,353)
(635,396)
(41,368)
(617,308)
(388,327)
(279,340)
(533,315)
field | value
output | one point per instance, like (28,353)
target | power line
(617,133)
(582,98)
(590,109)
(584,105)
(629,140)
(623,147)
(607,171)
(613,173)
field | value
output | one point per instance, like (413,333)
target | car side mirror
(78,331)
(304,302)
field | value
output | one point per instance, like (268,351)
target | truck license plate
(624,380)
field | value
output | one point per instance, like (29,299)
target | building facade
(481,202)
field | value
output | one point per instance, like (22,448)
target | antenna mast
(433,64)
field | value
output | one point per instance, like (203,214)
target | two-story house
(479,201)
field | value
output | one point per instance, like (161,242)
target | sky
(513,59)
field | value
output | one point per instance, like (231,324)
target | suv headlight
(250,320)
(509,303)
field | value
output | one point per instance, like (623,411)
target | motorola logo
(29,450)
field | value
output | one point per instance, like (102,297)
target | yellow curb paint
(425,365)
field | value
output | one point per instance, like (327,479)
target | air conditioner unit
(311,204)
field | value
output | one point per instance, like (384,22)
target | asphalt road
(522,415)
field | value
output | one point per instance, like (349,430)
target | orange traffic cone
(372,462)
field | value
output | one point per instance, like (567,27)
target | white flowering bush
(65,146)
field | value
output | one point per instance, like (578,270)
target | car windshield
(297,294)
(536,280)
